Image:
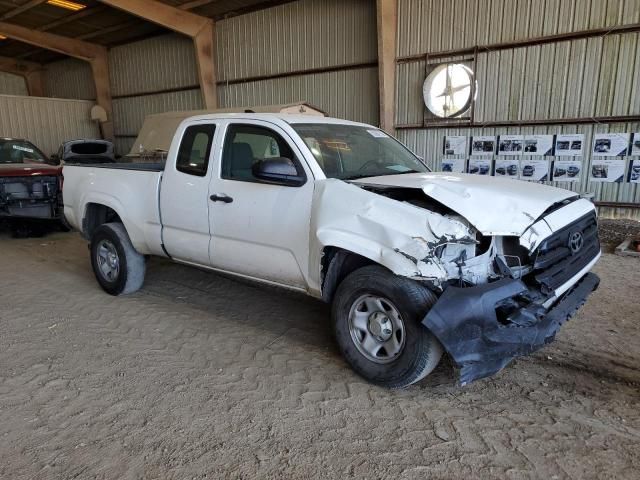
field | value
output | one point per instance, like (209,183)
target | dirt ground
(201,376)
(614,232)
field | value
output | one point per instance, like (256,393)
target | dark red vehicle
(30,183)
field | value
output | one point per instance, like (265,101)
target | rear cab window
(195,149)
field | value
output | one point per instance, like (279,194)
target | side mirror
(54,159)
(278,170)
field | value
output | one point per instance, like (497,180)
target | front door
(259,229)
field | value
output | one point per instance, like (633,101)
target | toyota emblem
(576,240)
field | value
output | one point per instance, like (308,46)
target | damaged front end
(503,291)
(34,197)
(485,326)
(500,296)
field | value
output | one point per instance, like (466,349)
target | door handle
(221,198)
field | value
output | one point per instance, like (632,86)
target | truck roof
(157,131)
(285,117)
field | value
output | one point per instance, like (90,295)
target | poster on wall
(634,171)
(480,166)
(453,165)
(567,170)
(610,144)
(483,145)
(510,144)
(455,145)
(609,171)
(507,168)
(534,170)
(569,145)
(635,145)
(538,145)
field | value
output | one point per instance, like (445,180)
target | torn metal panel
(397,235)
(494,206)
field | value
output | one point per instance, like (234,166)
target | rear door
(184,198)
(259,229)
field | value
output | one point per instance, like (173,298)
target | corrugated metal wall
(297,36)
(129,113)
(12,84)
(69,78)
(592,77)
(350,94)
(160,74)
(438,25)
(598,76)
(159,63)
(293,37)
(47,122)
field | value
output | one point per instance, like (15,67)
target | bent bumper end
(466,322)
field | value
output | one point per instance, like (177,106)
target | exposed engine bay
(36,197)
(472,260)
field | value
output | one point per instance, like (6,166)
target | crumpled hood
(494,206)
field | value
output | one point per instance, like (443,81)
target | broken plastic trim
(466,323)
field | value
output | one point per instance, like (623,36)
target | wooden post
(100,69)
(35,83)
(203,43)
(387,30)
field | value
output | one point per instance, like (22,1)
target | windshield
(20,151)
(349,152)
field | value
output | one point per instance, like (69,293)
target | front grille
(555,263)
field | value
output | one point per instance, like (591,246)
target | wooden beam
(21,9)
(387,30)
(57,43)
(162,14)
(200,29)
(96,55)
(19,65)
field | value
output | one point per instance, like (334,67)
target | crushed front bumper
(472,327)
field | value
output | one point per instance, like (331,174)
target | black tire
(421,352)
(131,265)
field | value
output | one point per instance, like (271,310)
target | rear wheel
(118,267)
(376,317)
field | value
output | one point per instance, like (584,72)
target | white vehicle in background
(413,262)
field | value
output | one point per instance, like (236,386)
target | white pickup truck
(413,262)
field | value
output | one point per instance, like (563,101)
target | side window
(248,144)
(195,148)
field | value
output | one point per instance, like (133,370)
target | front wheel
(376,317)
(118,267)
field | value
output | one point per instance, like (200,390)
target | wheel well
(336,264)
(96,215)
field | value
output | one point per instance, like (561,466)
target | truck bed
(131,190)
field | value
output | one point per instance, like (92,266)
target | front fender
(405,256)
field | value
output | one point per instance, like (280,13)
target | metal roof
(101,24)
